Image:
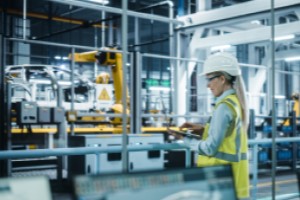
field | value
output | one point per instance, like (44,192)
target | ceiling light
(103,2)
(279,97)
(256,22)
(158,88)
(222,47)
(48,82)
(290,59)
(285,37)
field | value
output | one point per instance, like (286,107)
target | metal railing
(255,144)
(38,153)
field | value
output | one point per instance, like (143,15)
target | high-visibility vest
(287,122)
(233,149)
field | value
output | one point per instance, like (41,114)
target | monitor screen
(17,188)
(209,183)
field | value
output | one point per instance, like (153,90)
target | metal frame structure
(133,148)
(125,13)
(93,150)
(255,143)
(188,25)
(196,26)
(235,13)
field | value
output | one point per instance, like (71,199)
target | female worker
(224,138)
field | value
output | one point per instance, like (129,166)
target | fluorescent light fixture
(48,82)
(256,22)
(222,47)
(290,59)
(159,88)
(279,97)
(61,58)
(285,37)
(103,2)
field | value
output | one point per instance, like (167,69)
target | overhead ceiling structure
(235,22)
(62,22)
(58,21)
(228,22)
(247,23)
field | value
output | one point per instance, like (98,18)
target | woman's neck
(227,87)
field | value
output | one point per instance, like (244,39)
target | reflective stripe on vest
(230,157)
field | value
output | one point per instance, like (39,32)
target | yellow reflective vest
(297,113)
(233,149)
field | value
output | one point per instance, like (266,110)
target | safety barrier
(255,143)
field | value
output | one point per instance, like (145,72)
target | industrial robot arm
(113,60)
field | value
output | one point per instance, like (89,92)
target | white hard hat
(221,62)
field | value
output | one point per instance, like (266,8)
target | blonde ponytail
(239,87)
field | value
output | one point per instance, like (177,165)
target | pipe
(135,118)
(103,15)
(43,16)
(72,89)
(118,11)
(24,18)
(170,58)
(83,25)
(200,61)
(170,4)
(4,126)
(274,129)
(95,63)
(125,156)
(150,42)
(64,45)
(8,123)
(171,49)
(72,12)
(85,150)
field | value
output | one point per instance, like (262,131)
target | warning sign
(104,95)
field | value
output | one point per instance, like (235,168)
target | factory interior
(90,90)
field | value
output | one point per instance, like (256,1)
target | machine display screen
(214,182)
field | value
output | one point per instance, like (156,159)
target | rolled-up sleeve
(220,122)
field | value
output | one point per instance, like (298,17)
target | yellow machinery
(102,78)
(113,60)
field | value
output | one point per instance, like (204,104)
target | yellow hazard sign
(104,95)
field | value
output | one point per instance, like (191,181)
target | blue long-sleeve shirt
(220,122)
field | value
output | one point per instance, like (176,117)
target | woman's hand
(175,134)
(195,128)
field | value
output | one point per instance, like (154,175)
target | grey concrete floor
(285,184)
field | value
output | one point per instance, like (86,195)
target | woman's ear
(223,79)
